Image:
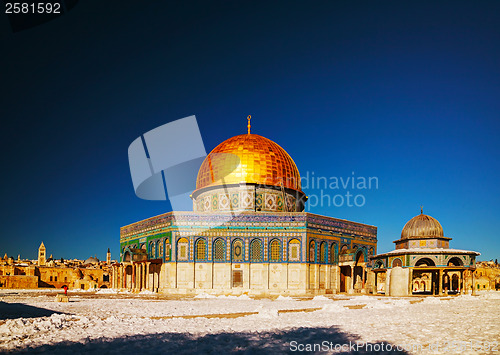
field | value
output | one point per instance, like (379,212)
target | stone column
(147,286)
(440,286)
(473,283)
(350,290)
(410,280)
(132,280)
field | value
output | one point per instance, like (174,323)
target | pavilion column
(147,276)
(143,276)
(473,283)
(133,281)
(410,280)
(440,288)
(138,275)
(351,283)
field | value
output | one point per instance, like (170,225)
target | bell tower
(41,255)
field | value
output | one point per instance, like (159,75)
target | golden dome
(248,158)
(422,226)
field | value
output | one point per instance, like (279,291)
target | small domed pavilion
(422,262)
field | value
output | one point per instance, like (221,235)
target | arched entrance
(455,262)
(359,272)
(127,280)
(424,262)
(455,283)
(345,270)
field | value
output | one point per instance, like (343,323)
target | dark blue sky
(408,92)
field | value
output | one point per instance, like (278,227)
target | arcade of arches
(423,264)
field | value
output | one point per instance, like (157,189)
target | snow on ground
(113,322)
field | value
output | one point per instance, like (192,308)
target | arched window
(152,250)
(424,262)
(360,256)
(182,249)
(160,248)
(322,252)
(219,250)
(167,250)
(332,254)
(201,249)
(455,262)
(397,262)
(312,251)
(274,248)
(237,254)
(256,250)
(294,250)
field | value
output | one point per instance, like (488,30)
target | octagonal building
(247,233)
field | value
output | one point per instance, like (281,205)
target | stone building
(423,263)
(42,255)
(486,276)
(248,233)
(50,273)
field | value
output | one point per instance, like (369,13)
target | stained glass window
(294,250)
(182,249)
(219,250)
(152,249)
(332,254)
(167,250)
(256,250)
(322,252)
(201,249)
(275,250)
(312,251)
(237,250)
(160,249)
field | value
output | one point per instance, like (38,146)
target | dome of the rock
(248,158)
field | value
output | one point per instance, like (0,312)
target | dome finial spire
(421,209)
(249,118)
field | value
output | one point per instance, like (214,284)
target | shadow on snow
(20,310)
(277,342)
